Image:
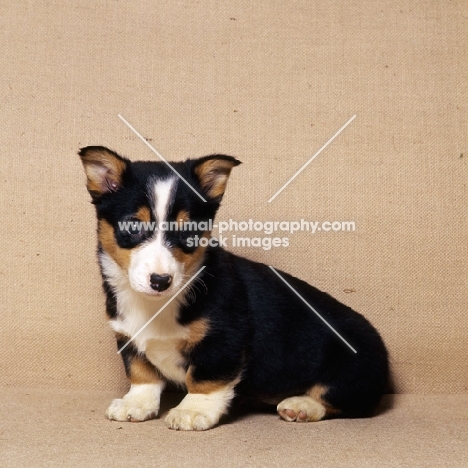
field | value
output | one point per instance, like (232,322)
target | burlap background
(269,82)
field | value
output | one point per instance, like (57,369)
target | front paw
(139,404)
(199,411)
(123,410)
(188,420)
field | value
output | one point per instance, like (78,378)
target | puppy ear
(213,172)
(104,170)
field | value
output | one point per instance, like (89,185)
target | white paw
(139,404)
(199,412)
(301,409)
(188,420)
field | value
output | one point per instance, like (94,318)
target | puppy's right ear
(104,170)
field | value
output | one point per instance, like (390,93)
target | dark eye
(186,240)
(184,236)
(131,232)
(134,228)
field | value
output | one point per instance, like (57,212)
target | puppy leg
(203,406)
(142,401)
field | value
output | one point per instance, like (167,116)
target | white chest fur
(158,338)
(154,332)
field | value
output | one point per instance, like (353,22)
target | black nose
(160,282)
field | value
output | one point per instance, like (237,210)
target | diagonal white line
(157,153)
(311,159)
(312,309)
(160,310)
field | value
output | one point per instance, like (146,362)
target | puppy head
(150,216)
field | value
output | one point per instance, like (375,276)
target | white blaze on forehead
(154,257)
(162,195)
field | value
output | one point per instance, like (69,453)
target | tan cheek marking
(317,392)
(197,331)
(109,244)
(191,259)
(144,214)
(142,372)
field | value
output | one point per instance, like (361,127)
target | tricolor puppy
(237,329)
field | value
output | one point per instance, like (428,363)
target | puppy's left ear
(104,170)
(213,173)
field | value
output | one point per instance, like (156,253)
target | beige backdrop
(269,82)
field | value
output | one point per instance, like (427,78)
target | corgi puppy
(216,324)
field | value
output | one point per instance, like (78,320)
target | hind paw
(301,409)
